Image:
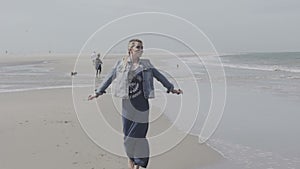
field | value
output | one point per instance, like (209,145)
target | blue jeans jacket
(121,85)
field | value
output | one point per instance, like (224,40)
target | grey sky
(232,25)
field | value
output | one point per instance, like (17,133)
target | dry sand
(40,129)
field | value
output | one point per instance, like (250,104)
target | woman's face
(137,50)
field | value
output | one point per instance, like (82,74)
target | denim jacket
(121,85)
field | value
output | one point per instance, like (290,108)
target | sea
(260,126)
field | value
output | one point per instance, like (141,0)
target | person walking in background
(98,65)
(135,86)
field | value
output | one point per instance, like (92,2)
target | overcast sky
(30,26)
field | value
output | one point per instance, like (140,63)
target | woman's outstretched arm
(105,83)
(165,82)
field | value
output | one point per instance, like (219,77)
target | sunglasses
(139,47)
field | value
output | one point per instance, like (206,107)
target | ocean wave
(244,66)
(41,88)
(262,67)
(37,67)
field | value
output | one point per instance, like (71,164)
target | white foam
(263,67)
(27,68)
(41,88)
(194,60)
(248,157)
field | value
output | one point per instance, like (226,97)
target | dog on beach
(73,73)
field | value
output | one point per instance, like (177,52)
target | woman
(135,86)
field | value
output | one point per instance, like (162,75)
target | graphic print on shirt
(135,86)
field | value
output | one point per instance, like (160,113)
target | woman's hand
(178,91)
(91,97)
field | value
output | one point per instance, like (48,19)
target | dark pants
(98,70)
(135,128)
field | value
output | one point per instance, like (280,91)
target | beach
(47,121)
(40,128)
(237,65)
